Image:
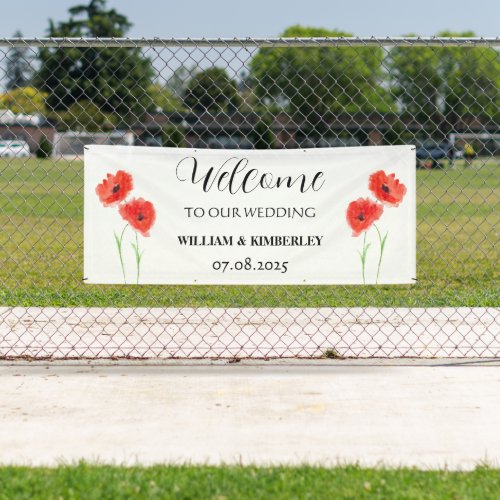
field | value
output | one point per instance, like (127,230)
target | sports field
(41,242)
(224,483)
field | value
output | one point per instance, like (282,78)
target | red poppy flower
(140,214)
(387,188)
(362,213)
(115,188)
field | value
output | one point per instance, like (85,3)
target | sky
(261,18)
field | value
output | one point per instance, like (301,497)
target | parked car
(14,149)
(429,153)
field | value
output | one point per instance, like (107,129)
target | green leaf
(382,243)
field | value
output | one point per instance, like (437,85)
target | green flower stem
(363,260)
(138,257)
(119,242)
(363,256)
(382,242)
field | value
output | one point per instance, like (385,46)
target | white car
(14,149)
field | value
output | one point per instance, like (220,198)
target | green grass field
(41,245)
(220,483)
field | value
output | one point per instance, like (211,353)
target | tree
(25,100)
(161,98)
(19,66)
(173,137)
(212,91)
(85,116)
(435,83)
(263,136)
(176,83)
(472,81)
(113,79)
(416,81)
(311,81)
(44,148)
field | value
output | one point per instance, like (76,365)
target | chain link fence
(441,94)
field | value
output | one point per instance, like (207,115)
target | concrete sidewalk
(427,414)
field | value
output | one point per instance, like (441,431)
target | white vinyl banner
(200,216)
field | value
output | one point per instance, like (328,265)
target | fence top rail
(253,42)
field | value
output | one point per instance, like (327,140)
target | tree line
(100,88)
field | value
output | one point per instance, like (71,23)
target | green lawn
(190,482)
(41,247)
